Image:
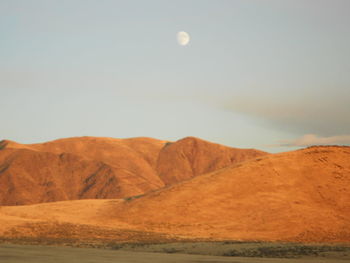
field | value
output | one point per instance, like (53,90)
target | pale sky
(266,74)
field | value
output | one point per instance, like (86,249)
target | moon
(183,38)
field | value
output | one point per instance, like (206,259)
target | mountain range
(147,189)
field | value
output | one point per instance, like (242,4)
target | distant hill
(190,157)
(92,167)
(77,168)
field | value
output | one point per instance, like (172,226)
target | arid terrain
(95,168)
(96,191)
(180,252)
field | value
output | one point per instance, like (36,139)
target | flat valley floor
(10,253)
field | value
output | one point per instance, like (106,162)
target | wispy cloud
(322,114)
(313,139)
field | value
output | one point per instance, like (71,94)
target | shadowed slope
(302,196)
(112,151)
(191,156)
(93,167)
(29,177)
(77,168)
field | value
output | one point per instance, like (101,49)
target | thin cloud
(313,139)
(325,114)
